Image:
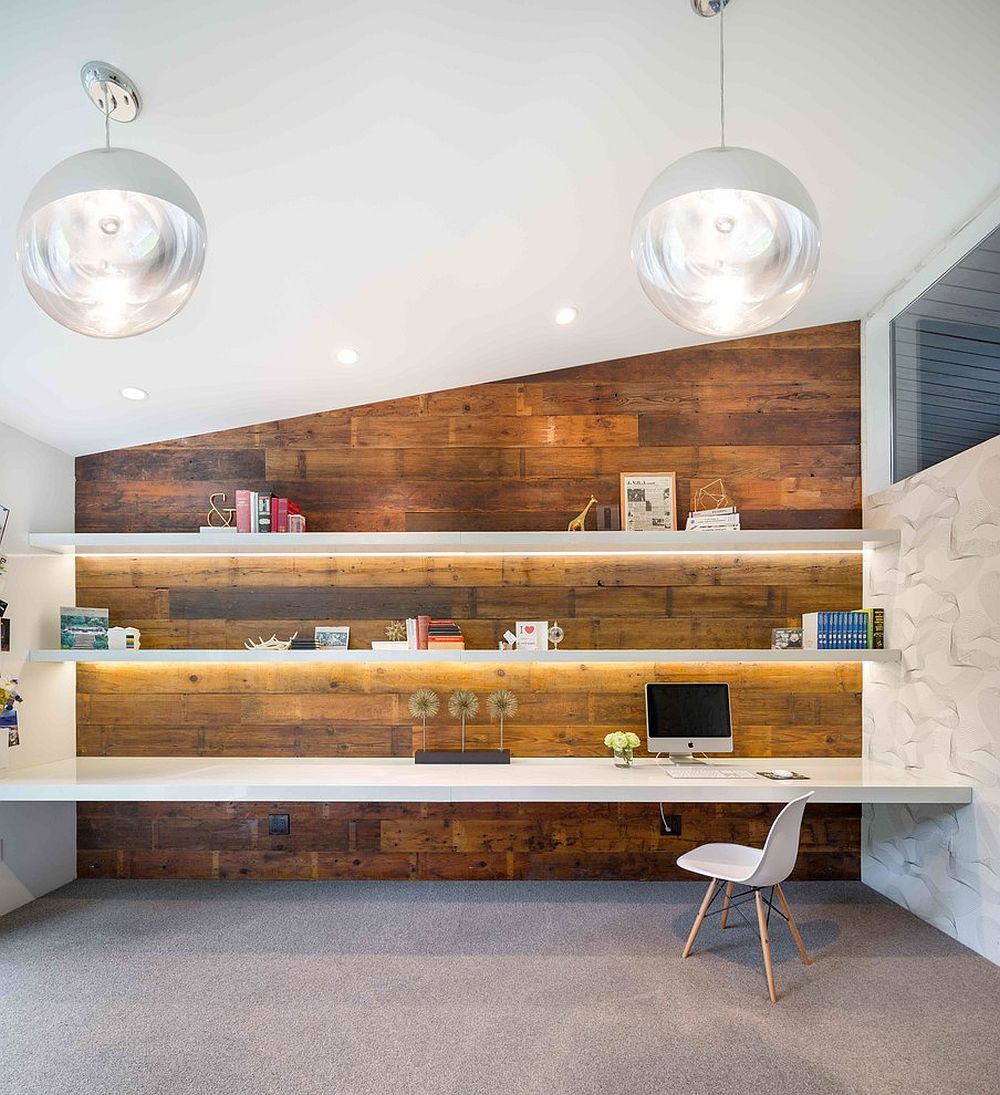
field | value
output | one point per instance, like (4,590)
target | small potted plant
(621,743)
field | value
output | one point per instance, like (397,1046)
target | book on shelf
(875,621)
(243,521)
(721,519)
(279,514)
(444,635)
(423,626)
(264,511)
(860,629)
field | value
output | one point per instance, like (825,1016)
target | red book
(423,623)
(279,514)
(242,511)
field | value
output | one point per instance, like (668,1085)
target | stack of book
(426,634)
(863,629)
(724,519)
(444,635)
(260,511)
(423,633)
(300,642)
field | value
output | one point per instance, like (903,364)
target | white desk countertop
(398,779)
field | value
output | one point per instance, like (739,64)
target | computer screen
(689,717)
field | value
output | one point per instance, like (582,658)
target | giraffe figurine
(578,522)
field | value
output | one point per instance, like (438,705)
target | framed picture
(649,502)
(786,638)
(532,634)
(4,515)
(83,628)
(332,638)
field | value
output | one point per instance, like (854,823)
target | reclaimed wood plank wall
(778,417)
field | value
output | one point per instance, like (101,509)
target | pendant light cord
(722,71)
(107,119)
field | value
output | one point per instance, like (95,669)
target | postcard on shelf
(532,634)
(786,638)
(83,628)
(332,638)
(649,502)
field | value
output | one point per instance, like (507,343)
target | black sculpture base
(457,756)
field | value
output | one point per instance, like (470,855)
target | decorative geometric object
(395,631)
(711,496)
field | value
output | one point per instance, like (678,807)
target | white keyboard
(705,771)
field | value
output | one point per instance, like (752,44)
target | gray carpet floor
(350,988)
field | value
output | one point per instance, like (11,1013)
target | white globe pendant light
(111,242)
(726,240)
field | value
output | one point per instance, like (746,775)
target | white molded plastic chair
(757,869)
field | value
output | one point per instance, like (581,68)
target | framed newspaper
(649,502)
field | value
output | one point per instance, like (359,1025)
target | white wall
(38,839)
(939,710)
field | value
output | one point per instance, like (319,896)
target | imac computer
(682,719)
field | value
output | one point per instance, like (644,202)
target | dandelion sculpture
(501,705)
(463,704)
(424,705)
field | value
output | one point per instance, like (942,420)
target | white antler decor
(274,643)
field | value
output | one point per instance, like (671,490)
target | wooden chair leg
(793,927)
(725,903)
(765,946)
(709,894)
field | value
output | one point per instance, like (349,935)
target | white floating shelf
(463,543)
(476,657)
(542,779)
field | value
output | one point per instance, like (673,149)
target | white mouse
(782,773)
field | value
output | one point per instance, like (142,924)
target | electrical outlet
(670,825)
(278,824)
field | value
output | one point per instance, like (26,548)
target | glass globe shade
(111,243)
(726,241)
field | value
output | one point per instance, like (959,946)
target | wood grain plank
(519,454)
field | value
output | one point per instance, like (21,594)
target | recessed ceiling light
(565,316)
(347,355)
(135,393)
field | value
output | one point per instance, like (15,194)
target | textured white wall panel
(939,709)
